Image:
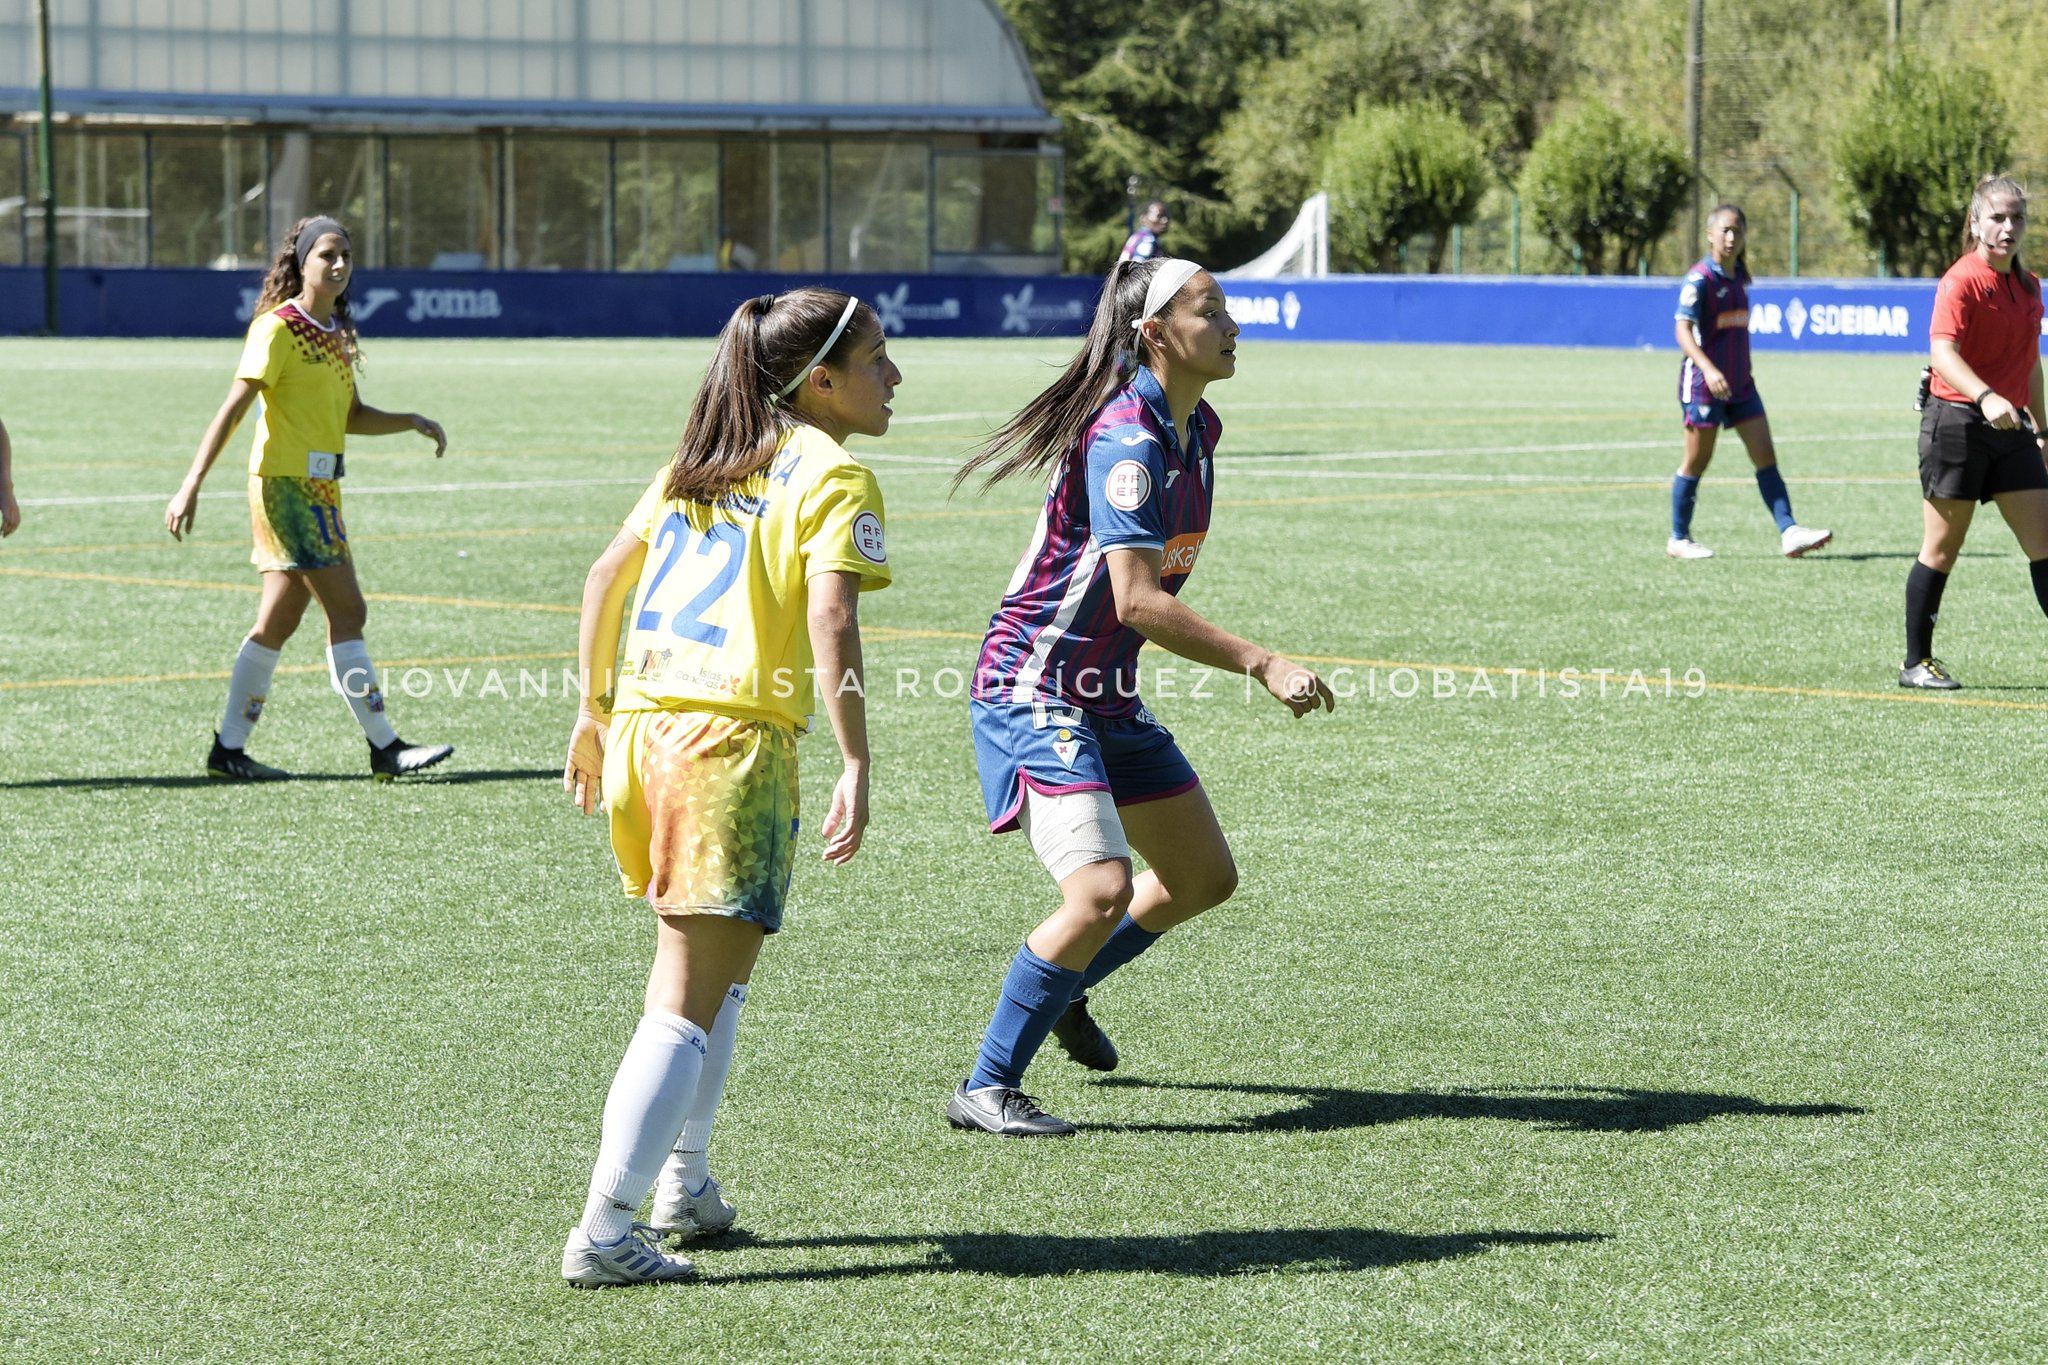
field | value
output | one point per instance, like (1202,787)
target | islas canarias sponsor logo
(1180,552)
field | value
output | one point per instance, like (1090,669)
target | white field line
(1299,466)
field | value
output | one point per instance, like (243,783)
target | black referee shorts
(1963,456)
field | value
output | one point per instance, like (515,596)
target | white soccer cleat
(1679,547)
(633,1259)
(678,1213)
(1798,540)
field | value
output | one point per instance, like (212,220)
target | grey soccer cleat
(1929,675)
(633,1259)
(678,1213)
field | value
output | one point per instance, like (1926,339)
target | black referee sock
(2039,569)
(1923,606)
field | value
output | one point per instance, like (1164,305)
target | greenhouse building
(803,136)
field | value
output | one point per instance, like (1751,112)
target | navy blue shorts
(1061,749)
(1705,410)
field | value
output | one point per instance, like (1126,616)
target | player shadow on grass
(1213,1253)
(170,781)
(1570,1108)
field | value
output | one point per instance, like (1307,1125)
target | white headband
(823,351)
(1166,282)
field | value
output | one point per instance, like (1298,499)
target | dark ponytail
(739,418)
(287,277)
(1052,423)
(1986,187)
(1741,257)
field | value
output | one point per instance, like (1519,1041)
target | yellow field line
(133,679)
(944,513)
(166,543)
(416,599)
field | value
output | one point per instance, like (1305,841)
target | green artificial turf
(1700,1025)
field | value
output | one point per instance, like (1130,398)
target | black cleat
(1083,1038)
(232,765)
(1006,1113)
(1930,675)
(399,759)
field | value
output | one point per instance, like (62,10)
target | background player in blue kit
(1716,389)
(1145,243)
(1067,751)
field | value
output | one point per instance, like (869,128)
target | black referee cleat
(1083,1038)
(1006,1113)
(232,765)
(399,759)
(1930,675)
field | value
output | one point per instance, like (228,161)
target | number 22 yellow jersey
(718,621)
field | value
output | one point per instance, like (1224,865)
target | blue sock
(1130,939)
(1685,491)
(1035,993)
(1772,485)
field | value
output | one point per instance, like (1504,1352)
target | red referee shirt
(1994,318)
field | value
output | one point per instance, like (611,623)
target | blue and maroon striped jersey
(1717,305)
(1127,484)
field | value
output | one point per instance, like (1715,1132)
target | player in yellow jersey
(300,361)
(742,567)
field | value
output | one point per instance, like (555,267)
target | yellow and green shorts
(703,812)
(297,523)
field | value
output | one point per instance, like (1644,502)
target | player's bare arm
(364,420)
(184,504)
(10,511)
(833,619)
(1950,365)
(1144,604)
(605,589)
(1716,381)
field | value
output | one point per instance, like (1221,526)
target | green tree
(1140,89)
(1599,182)
(1500,63)
(1910,154)
(1397,172)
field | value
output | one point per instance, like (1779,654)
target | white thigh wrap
(1072,830)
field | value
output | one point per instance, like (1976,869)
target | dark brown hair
(1054,422)
(1742,220)
(739,419)
(1986,187)
(287,277)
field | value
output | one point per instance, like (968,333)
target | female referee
(1067,751)
(1981,435)
(763,532)
(300,360)
(1715,388)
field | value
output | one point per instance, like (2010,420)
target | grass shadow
(1836,557)
(1566,1108)
(433,777)
(1204,1254)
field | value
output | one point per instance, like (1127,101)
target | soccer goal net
(1305,250)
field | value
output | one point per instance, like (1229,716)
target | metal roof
(684,64)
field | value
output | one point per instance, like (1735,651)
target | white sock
(689,1162)
(248,688)
(355,677)
(642,1116)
